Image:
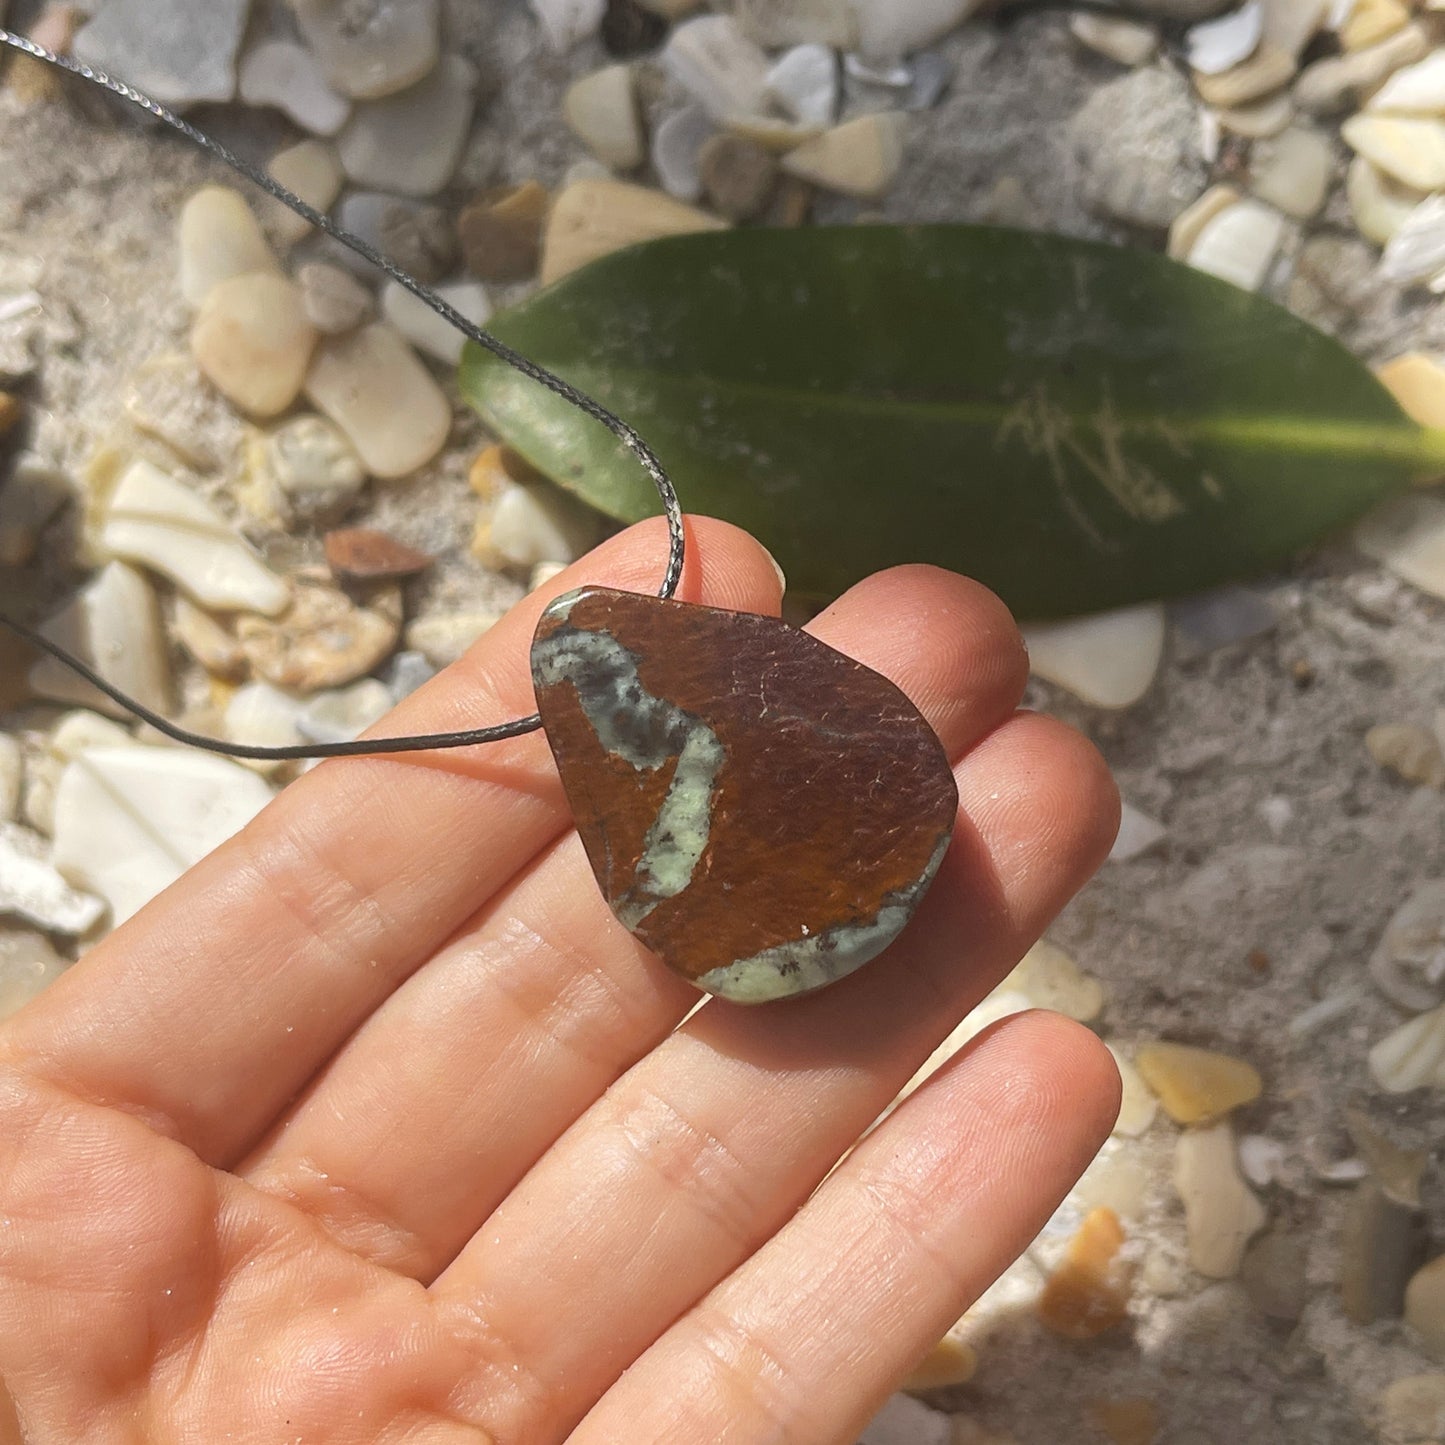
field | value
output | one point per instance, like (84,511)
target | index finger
(209,1010)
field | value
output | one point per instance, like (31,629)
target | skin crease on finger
(389,1352)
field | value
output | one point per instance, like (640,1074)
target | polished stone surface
(762,812)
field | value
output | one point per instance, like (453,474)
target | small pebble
(1212,620)
(1411,149)
(1261,1159)
(1196,1085)
(1220,1211)
(676,145)
(1412,1410)
(501,232)
(421,239)
(314,468)
(219,238)
(1425,1306)
(283,74)
(1417,89)
(1330,84)
(1137,834)
(406,672)
(1052,980)
(1214,46)
(113,623)
(1408,963)
(424,328)
(311,171)
(333,301)
(177,51)
(259,715)
(1239,244)
(253,342)
(532,524)
(28,963)
(738,176)
(365,554)
(371,48)
(1107,660)
(593,218)
(1381,1246)
(342,715)
(1088,1294)
(1397,1171)
(1371,21)
(1410,752)
(1185,228)
(1260,119)
(411,143)
(718,66)
(1129,42)
(443,637)
(208,641)
(601,110)
(860,158)
(1411,1056)
(32,890)
(323,640)
(129,821)
(804,82)
(1265,72)
(1274,1274)
(153,519)
(371,384)
(1292,171)
(1407,536)
(1137,1105)
(1416,251)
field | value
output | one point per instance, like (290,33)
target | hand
(377,1128)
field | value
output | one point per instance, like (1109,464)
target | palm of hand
(376,1128)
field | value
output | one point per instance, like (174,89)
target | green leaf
(1076,425)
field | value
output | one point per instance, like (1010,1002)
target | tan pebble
(332,300)
(1417,382)
(1221,1213)
(208,641)
(1412,753)
(443,637)
(1425,1307)
(1371,21)
(1129,42)
(951,1361)
(738,176)
(1089,1292)
(313,467)
(593,218)
(1292,24)
(501,232)
(1379,204)
(601,109)
(1265,71)
(1381,1246)
(1118,1179)
(219,238)
(1052,980)
(1260,119)
(859,158)
(1195,1085)
(1397,1171)
(1292,171)
(1328,85)
(323,639)
(777,137)
(1126,1422)
(253,342)
(1137,1106)
(366,554)
(1412,1410)
(1411,1056)
(371,384)
(311,170)
(1185,228)
(1409,148)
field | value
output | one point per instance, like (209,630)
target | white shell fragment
(1413,1056)
(1409,148)
(410,144)
(1185,228)
(724,71)
(1418,89)
(534,524)
(676,147)
(383,399)
(220,237)
(1107,660)
(114,624)
(1137,834)
(1416,252)
(601,109)
(427,331)
(32,889)
(1407,535)
(1379,205)
(260,715)
(804,82)
(1239,244)
(1408,964)
(288,76)
(1221,1213)
(1216,45)
(153,519)
(859,158)
(130,821)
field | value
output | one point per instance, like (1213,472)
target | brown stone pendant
(762,812)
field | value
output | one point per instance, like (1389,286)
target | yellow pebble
(1194,1085)
(1089,1292)
(1371,21)
(1417,382)
(951,1361)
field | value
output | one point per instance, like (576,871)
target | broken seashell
(1214,46)
(1413,1056)
(1221,1212)
(1408,964)
(323,639)
(1107,660)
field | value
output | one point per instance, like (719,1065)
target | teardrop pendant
(761,811)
